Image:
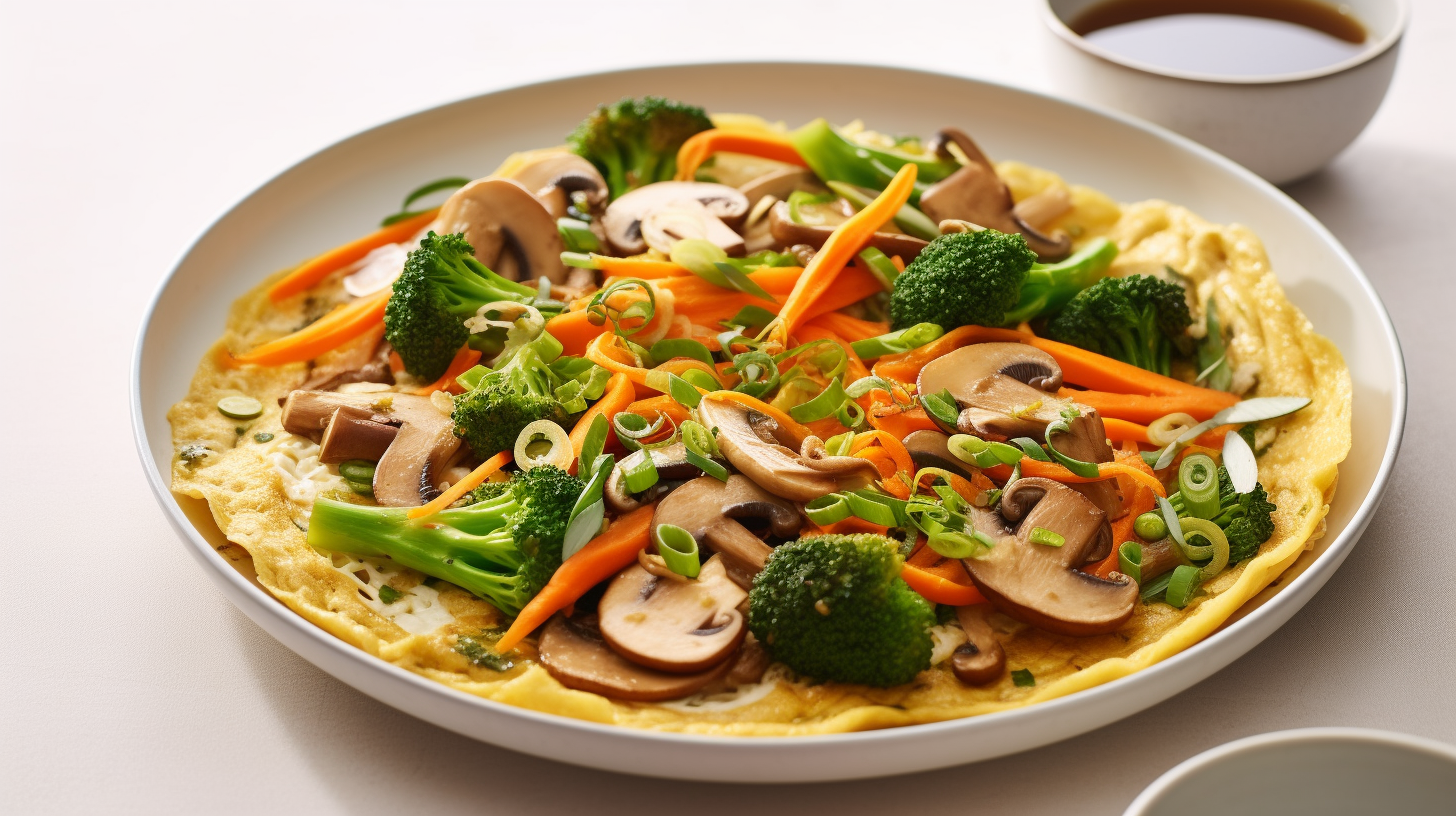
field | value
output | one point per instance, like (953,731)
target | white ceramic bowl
(1324,771)
(330,197)
(1282,127)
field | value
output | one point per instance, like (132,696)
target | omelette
(732,306)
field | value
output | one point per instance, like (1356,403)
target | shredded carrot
(602,557)
(900,423)
(465,359)
(396,363)
(308,274)
(1057,473)
(1139,500)
(839,249)
(762,143)
(850,328)
(614,400)
(644,268)
(1120,430)
(939,589)
(1143,409)
(849,526)
(651,407)
(456,491)
(334,329)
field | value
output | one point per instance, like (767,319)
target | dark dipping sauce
(1227,37)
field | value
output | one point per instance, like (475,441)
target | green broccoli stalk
(1247,519)
(635,141)
(492,415)
(990,278)
(833,157)
(503,549)
(834,607)
(1135,319)
(441,287)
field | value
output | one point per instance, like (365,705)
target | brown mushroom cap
(980,659)
(1006,390)
(777,186)
(573,651)
(670,625)
(353,433)
(789,233)
(424,443)
(552,177)
(930,449)
(716,207)
(708,509)
(751,441)
(976,194)
(511,232)
(1039,584)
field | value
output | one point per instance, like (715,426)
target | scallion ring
(1182,584)
(639,472)
(828,509)
(558,454)
(678,548)
(1047,538)
(240,407)
(675,347)
(1130,560)
(632,428)
(825,404)
(758,372)
(594,443)
(1217,549)
(600,310)
(1166,429)
(1087,470)
(1198,483)
(839,444)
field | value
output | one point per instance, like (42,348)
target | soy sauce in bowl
(1225,37)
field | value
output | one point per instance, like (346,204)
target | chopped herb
(239,407)
(194,453)
(240,430)
(1023,678)
(262,437)
(388,594)
(480,650)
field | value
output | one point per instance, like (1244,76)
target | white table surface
(128,682)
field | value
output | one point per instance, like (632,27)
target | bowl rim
(1199,763)
(1059,27)
(1309,580)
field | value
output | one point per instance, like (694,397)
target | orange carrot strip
(307,274)
(850,328)
(896,448)
(901,423)
(1055,472)
(614,400)
(840,248)
(602,557)
(332,330)
(1143,409)
(1140,500)
(644,268)
(762,143)
(453,493)
(465,359)
(1120,430)
(650,407)
(937,589)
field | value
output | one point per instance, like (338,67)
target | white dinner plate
(340,192)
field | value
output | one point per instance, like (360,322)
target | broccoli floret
(990,278)
(1246,518)
(835,608)
(503,549)
(492,415)
(1133,319)
(442,286)
(635,141)
(487,491)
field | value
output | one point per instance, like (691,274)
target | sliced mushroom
(573,651)
(1006,390)
(930,449)
(424,443)
(756,446)
(672,468)
(352,433)
(976,194)
(556,179)
(364,359)
(980,659)
(788,233)
(1039,584)
(763,193)
(669,211)
(673,626)
(1159,557)
(709,510)
(511,231)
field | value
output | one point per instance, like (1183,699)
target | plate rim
(1309,581)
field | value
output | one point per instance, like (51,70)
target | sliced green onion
(865,385)
(1182,584)
(1217,550)
(1211,355)
(1170,520)
(683,392)
(912,221)
(1155,587)
(839,444)
(1023,678)
(1250,410)
(579,260)
(1031,448)
(700,446)
(1049,538)
(752,317)
(804,198)
(559,454)
(639,472)
(632,428)
(577,236)
(572,396)
(419,193)
(825,404)
(881,267)
(1130,560)
(594,443)
(1239,461)
(1087,470)
(876,508)
(957,544)
(1150,527)
(357,470)
(942,407)
(470,380)
(828,509)
(706,465)
(672,348)
(585,521)
(738,279)
(702,379)
(388,594)
(240,407)
(758,372)
(1198,482)
(983,454)
(896,342)
(262,437)
(600,311)
(678,548)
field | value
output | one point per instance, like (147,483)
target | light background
(128,682)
